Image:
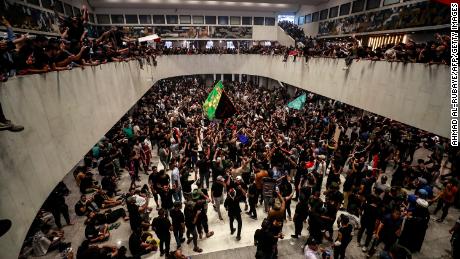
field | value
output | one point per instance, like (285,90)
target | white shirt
(148,143)
(310,254)
(140,201)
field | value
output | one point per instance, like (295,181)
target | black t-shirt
(61,56)
(161,225)
(177,218)
(134,216)
(232,205)
(78,206)
(135,244)
(346,233)
(252,191)
(301,209)
(163,179)
(91,231)
(217,189)
(153,178)
(166,199)
(99,200)
(264,240)
(203,166)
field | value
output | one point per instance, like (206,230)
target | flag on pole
(298,102)
(218,104)
(225,108)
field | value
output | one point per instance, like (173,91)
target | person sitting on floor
(84,206)
(96,234)
(103,201)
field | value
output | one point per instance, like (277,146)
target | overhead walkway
(65,113)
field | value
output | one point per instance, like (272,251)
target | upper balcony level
(65,113)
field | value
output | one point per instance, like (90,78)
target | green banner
(210,105)
(298,103)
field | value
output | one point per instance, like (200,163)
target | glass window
(345,9)
(259,20)
(117,18)
(223,20)
(47,4)
(334,12)
(68,9)
(185,19)
(210,19)
(198,19)
(103,18)
(385,2)
(145,19)
(269,21)
(301,20)
(230,45)
(76,11)
(34,2)
(308,18)
(91,18)
(323,14)
(58,6)
(372,4)
(159,19)
(168,44)
(247,20)
(289,18)
(172,19)
(131,18)
(315,17)
(235,20)
(358,6)
(209,44)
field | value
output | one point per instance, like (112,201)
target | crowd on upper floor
(436,51)
(31,54)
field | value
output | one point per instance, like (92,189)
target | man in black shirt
(166,195)
(56,204)
(178,223)
(264,241)
(137,246)
(252,198)
(154,184)
(232,205)
(300,215)
(203,167)
(217,195)
(85,206)
(161,225)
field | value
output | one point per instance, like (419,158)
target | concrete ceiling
(221,5)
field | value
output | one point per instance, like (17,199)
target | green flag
(210,105)
(298,102)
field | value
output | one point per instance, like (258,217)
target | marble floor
(222,244)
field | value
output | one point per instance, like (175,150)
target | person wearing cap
(217,194)
(232,205)
(311,249)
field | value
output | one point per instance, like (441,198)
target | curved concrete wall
(65,113)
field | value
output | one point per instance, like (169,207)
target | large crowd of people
(436,51)
(326,163)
